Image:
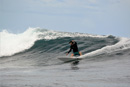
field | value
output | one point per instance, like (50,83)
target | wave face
(37,47)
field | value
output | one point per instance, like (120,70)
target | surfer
(74,47)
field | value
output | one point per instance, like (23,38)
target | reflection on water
(74,65)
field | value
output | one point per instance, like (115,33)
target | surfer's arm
(69,50)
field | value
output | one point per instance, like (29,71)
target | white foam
(123,44)
(13,43)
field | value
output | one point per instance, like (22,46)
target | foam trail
(123,44)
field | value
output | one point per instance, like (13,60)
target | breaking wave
(11,44)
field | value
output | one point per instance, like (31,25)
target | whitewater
(29,59)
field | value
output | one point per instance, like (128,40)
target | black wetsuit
(74,47)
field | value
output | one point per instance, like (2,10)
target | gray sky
(103,17)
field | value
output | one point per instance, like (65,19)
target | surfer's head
(71,42)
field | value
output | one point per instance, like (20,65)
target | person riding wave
(74,47)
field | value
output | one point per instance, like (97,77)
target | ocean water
(29,59)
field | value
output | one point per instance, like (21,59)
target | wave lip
(50,34)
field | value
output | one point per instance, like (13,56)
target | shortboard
(69,59)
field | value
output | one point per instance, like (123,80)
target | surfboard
(69,59)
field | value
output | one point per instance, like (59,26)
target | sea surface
(30,59)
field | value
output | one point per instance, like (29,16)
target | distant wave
(14,43)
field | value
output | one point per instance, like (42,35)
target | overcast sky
(102,17)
